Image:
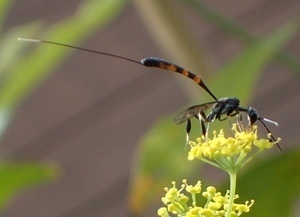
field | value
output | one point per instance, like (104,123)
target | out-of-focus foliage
(18,176)
(20,74)
(273,184)
(160,158)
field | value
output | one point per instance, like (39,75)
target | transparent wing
(192,111)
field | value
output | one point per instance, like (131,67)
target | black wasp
(220,108)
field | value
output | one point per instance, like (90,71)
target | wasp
(218,109)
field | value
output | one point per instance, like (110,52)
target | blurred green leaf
(4,9)
(239,32)
(242,72)
(171,34)
(11,51)
(19,76)
(32,69)
(274,184)
(15,177)
(161,157)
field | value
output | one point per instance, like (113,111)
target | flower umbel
(230,153)
(226,153)
(216,204)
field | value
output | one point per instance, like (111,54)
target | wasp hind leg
(202,119)
(188,130)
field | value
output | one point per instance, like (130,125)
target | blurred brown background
(90,114)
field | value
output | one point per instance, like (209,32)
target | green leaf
(229,26)
(171,34)
(21,74)
(274,184)
(15,176)
(34,68)
(239,76)
(11,51)
(4,9)
(161,158)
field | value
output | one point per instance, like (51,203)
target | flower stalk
(231,192)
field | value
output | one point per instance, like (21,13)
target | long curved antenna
(148,62)
(262,122)
(80,48)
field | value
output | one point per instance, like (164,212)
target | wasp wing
(193,111)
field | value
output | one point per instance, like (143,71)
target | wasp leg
(202,118)
(188,130)
(231,114)
(239,119)
(222,119)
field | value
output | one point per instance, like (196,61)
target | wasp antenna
(29,40)
(265,126)
(270,121)
(80,48)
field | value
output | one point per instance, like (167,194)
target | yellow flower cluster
(228,153)
(177,203)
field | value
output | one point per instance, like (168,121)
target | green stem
(231,192)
